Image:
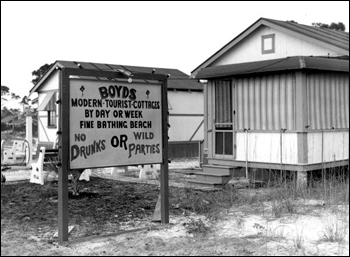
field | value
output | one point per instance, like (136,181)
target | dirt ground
(112,217)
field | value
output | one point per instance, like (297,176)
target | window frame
(263,38)
(51,119)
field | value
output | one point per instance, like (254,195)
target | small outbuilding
(277,97)
(185,106)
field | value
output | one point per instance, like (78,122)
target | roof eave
(288,64)
(270,23)
(227,46)
(46,75)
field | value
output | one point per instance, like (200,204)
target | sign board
(114,123)
(110,122)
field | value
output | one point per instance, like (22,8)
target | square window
(268,44)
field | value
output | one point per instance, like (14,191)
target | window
(223,104)
(51,109)
(268,44)
(51,119)
(223,118)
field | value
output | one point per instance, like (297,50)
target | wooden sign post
(108,119)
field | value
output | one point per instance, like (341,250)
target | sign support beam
(164,176)
(63,146)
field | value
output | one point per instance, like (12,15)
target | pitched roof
(177,80)
(9,118)
(282,64)
(336,40)
(329,36)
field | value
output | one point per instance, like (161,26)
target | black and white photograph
(175,128)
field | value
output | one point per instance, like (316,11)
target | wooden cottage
(276,97)
(185,102)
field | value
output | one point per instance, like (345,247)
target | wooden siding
(334,146)
(265,102)
(186,102)
(45,134)
(249,49)
(183,127)
(51,83)
(210,118)
(328,100)
(185,115)
(266,147)
(184,149)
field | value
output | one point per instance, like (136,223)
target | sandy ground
(235,233)
(250,229)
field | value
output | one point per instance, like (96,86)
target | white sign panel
(114,124)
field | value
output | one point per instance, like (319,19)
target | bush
(4,126)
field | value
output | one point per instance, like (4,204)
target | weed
(277,209)
(298,241)
(277,232)
(260,229)
(23,228)
(335,230)
(197,227)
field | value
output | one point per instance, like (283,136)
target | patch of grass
(335,230)
(277,209)
(259,228)
(330,185)
(210,204)
(197,227)
(299,241)
(277,232)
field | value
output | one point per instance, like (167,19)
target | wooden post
(301,180)
(164,175)
(301,125)
(29,137)
(63,148)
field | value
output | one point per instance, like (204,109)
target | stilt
(301,180)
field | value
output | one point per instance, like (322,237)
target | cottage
(277,97)
(185,103)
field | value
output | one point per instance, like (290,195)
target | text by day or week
(116,114)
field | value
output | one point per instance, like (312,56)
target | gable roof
(335,40)
(177,80)
(9,118)
(281,64)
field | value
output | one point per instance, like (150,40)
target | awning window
(49,102)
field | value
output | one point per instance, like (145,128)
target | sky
(179,35)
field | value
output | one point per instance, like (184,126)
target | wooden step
(216,169)
(218,178)
(206,183)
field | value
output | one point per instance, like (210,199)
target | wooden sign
(114,124)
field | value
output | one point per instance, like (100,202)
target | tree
(5,91)
(39,73)
(335,26)
(25,101)
(5,112)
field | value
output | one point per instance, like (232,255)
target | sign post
(110,119)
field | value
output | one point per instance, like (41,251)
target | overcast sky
(178,35)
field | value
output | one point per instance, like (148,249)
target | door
(223,122)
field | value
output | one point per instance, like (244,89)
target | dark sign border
(131,163)
(63,143)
